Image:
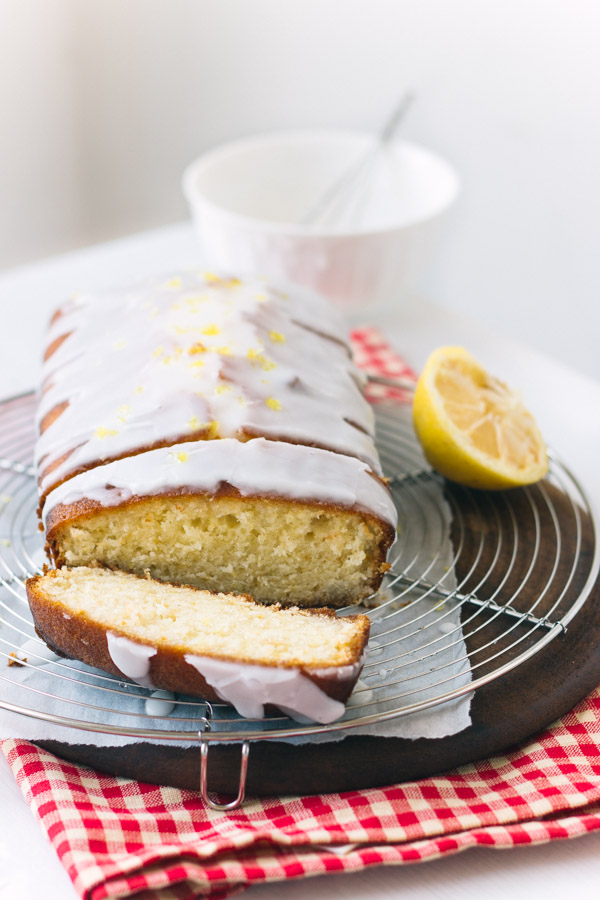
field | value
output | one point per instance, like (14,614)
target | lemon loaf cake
(212,432)
(196,357)
(211,645)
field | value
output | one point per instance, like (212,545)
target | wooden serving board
(504,712)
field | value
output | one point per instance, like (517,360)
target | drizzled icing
(256,468)
(160,703)
(249,688)
(131,658)
(198,355)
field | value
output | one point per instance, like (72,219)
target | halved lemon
(473,428)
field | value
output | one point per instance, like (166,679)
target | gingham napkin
(374,355)
(119,838)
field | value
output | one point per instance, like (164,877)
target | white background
(103,103)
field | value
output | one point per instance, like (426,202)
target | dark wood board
(504,712)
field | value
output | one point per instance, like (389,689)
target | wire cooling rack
(489,578)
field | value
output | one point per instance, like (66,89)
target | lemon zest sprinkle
(194,301)
(277,337)
(123,412)
(102,432)
(273,403)
(265,363)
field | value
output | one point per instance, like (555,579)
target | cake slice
(220,647)
(282,522)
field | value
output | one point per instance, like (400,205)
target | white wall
(103,103)
(40,210)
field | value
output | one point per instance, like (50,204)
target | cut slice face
(473,428)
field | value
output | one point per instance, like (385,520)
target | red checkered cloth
(119,838)
(374,355)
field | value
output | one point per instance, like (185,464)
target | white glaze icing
(256,468)
(160,703)
(361,694)
(249,688)
(131,658)
(193,354)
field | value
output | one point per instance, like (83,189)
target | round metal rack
(478,584)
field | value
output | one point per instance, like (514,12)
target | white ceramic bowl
(248,200)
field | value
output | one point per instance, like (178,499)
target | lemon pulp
(473,428)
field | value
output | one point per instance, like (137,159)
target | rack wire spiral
(522,563)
